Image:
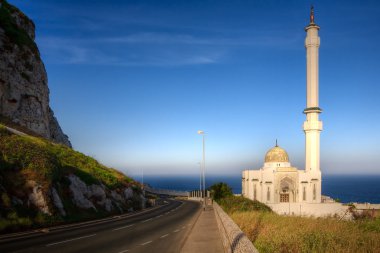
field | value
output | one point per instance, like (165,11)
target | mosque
(286,189)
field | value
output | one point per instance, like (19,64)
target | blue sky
(131,82)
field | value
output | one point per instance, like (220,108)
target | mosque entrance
(287,190)
(284,197)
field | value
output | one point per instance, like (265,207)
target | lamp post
(200,177)
(203,167)
(142,188)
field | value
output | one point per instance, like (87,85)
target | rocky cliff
(24,92)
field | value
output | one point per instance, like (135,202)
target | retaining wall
(234,240)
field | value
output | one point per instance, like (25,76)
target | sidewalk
(205,236)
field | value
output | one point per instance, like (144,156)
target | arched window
(268,194)
(314,192)
(304,194)
(254,192)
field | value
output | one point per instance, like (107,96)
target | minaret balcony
(312,109)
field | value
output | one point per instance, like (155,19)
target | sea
(346,188)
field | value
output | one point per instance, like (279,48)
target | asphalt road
(163,229)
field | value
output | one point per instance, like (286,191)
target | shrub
(233,204)
(220,190)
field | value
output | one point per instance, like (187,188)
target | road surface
(163,229)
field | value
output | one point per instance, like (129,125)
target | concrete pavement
(204,236)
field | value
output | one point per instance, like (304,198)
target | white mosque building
(286,189)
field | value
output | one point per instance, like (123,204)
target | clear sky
(131,82)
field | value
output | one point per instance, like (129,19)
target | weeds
(274,233)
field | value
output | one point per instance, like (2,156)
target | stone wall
(234,240)
(312,209)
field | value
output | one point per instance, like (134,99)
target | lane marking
(124,251)
(146,220)
(164,236)
(175,231)
(159,215)
(122,227)
(70,240)
(145,243)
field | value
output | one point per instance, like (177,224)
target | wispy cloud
(152,48)
(110,52)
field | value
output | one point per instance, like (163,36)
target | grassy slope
(24,158)
(274,233)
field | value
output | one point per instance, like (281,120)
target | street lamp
(203,167)
(200,177)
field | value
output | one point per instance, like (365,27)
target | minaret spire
(312,14)
(276,143)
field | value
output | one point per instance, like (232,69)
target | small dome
(276,154)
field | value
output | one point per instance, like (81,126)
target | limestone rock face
(80,193)
(83,194)
(37,198)
(24,92)
(128,193)
(57,201)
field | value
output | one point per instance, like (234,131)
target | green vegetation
(14,33)
(234,204)
(25,158)
(40,160)
(220,190)
(270,232)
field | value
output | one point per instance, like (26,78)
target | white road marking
(122,227)
(70,240)
(175,231)
(159,216)
(146,220)
(183,227)
(164,236)
(145,243)
(124,251)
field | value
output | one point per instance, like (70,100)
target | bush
(233,204)
(220,190)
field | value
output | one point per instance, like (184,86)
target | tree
(220,190)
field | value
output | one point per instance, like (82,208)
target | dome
(276,154)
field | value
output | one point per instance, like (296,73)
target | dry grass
(274,233)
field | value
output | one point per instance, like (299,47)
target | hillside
(44,183)
(24,91)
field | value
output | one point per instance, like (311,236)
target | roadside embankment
(234,240)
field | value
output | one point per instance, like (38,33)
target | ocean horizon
(346,188)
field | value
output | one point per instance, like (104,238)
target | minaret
(312,126)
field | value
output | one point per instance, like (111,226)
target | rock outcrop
(80,193)
(24,92)
(38,198)
(57,201)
